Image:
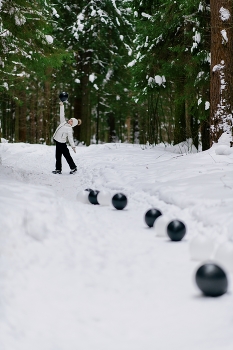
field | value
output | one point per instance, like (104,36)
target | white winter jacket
(64,130)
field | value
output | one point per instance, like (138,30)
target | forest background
(136,71)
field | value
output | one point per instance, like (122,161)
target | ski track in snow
(78,276)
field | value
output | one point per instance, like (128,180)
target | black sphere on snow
(63,96)
(92,197)
(212,280)
(119,201)
(176,230)
(151,215)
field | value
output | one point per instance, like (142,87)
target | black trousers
(62,149)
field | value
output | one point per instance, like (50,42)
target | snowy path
(76,276)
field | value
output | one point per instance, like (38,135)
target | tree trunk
(85,128)
(135,128)
(77,114)
(32,120)
(23,119)
(180,127)
(17,108)
(153,118)
(47,107)
(221,90)
(97,119)
(39,116)
(111,124)
(179,113)
(205,134)
(3,121)
(194,130)
(188,122)
(143,127)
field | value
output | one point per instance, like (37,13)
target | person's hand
(74,149)
(61,103)
(79,122)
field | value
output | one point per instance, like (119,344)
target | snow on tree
(221,76)
(98,32)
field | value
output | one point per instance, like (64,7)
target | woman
(64,131)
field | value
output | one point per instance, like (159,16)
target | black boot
(56,171)
(72,171)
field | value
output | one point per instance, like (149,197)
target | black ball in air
(63,96)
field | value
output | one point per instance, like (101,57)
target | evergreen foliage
(26,44)
(98,33)
(135,71)
(171,65)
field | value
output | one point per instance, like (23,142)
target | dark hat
(63,96)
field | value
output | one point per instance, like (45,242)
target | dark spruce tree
(99,35)
(171,68)
(27,52)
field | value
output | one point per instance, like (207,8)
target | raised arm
(62,113)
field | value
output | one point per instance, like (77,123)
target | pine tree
(171,67)
(98,32)
(26,50)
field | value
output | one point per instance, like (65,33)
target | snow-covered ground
(77,276)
